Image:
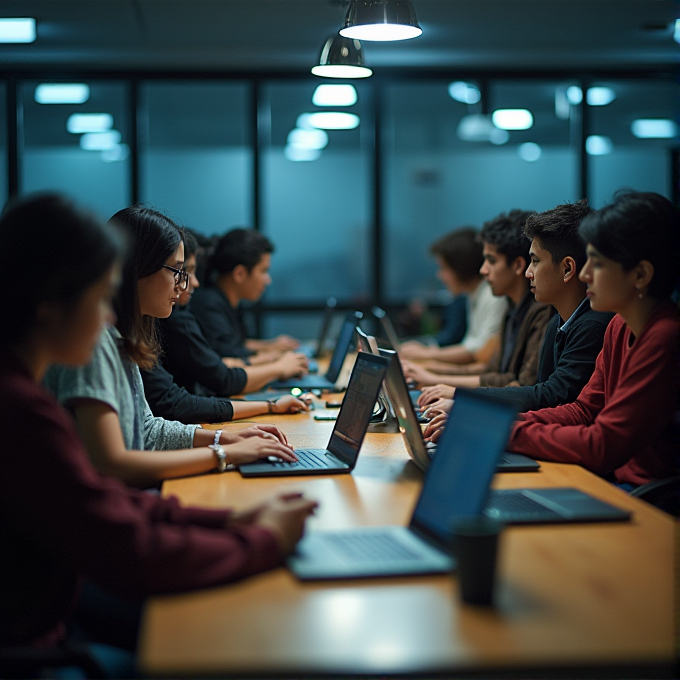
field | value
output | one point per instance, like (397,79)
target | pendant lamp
(341,58)
(381,20)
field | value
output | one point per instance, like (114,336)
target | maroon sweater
(60,520)
(623,420)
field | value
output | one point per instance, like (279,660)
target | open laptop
(327,381)
(455,485)
(348,433)
(314,348)
(421,452)
(388,327)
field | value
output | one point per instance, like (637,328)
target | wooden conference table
(592,599)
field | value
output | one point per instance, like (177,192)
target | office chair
(661,493)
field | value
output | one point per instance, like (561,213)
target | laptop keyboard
(515,503)
(306,458)
(370,547)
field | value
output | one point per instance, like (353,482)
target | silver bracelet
(218,434)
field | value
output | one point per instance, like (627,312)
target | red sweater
(622,422)
(60,520)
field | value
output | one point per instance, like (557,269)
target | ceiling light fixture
(512,119)
(341,58)
(654,128)
(100,141)
(19,30)
(381,20)
(597,145)
(477,127)
(330,120)
(465,93)
(80,123)
(62,93)
(297,154)
(529,151)
(334,95)
(308,139)
(600,96)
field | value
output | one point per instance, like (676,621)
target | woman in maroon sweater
(623,424)
(59,519)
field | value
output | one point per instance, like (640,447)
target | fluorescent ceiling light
(308,139)
(334,95)
(512,119)
(79,123)
(574,95)
(529,152)
(380,20)
(297,154)
(99,141)
(654,128)
(119,152)
(600,96)
(62,93)
(597,145)
(17,30)
(464,92)
(676,32)
(332,120)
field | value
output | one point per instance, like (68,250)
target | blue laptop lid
(458,479)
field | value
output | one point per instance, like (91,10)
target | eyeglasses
(181,277)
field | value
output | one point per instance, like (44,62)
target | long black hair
(153,238)
(54,251)
(639,226)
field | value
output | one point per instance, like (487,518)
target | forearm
(259,376)
(248,409)
(456,354)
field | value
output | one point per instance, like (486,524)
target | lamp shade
(381,20)
(341,58)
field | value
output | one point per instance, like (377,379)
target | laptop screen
(342,345)
(457,481)
(357,406)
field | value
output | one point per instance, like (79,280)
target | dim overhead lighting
(80,123)
(676,32)
(477,127)
(341,58)
(597,145)
(381,20)
(100,141)
(530,151)
(600,96)
(332,120)
(574,95)
(512,119)
(308,139)
(654,128)
(62,93)
(297,154)
(334,95)
(116,153)
(464,92)
(19,30)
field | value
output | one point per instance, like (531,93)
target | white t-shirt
(485,315)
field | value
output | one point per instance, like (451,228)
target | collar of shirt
(577,311)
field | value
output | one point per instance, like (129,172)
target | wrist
(270,407)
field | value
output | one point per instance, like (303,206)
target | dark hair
(639,226)
(506,233)
(54,251)
(557,230)
(462,252)
(190,243)
(153,238)
(239,246)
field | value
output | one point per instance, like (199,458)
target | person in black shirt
(239,270)
(574,337)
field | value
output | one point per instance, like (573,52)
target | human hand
(435,392)
(439,406)
(285,343)
(435,427)
(251,449)
(233,362)
(414,350)
(285,517)
(265,357)
(289,404)
(291,364)
(264,430)
(418,374)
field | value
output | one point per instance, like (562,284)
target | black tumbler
(475,545)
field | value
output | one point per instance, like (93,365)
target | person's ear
(643,273)
(569,269)
(519,266)
(239,273)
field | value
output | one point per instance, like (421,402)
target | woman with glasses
(106,396)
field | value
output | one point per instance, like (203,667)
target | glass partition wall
(353,183)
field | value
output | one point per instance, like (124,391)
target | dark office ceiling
(286,35)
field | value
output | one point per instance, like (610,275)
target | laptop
(388,327)
(455,485)
(348,433)
(420,451)
(327,381)
(314,348)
